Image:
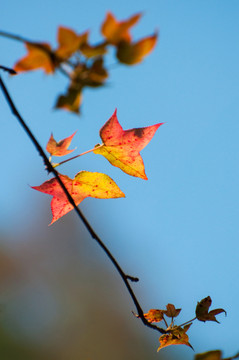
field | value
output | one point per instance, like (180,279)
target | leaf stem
(50,168)
(75,157)
(187,322)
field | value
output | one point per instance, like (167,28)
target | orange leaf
(154,315)
(39,56)
(177,336)
(133,53)
(59,148)
(121,147)
(115,31)
(85,184)
(202,313)
(69,42)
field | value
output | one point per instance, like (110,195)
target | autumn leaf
(85,184)
(71,100)
(171,312)
(90,51)
(154,315)
(39,56)
(116,31)
(209,355)
(59,148)
(69,42)
(202,313)
(121,147)
(214,355)
(177,336)
(133,53)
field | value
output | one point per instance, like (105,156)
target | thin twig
(75,157)
(50,169)
(187,322)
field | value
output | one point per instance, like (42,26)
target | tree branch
(51,169)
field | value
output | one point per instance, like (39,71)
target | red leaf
(85,184)
(121,147)
(59,148)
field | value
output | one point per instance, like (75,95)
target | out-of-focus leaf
(116,31)
(171,311)
(59,148)
(209,355)
(85,184)
(177,336)
(121,147)
(154,315)
(133,53)
(70,101)
(202,313)
(40,56)
(90,51)
(69,42)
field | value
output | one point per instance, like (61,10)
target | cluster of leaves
(120,147)
(176,334)
(83,63)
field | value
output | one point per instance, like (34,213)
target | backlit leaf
(69,42)
(85,184)
(177,336)
(121,147)
(59,148)
(115,31)
(154,315)
(133,53)
(202,313)
(40,56)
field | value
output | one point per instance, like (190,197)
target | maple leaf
(116,31)
(69,42)
(177,336)
(121,147)
(133,53)
(171,312)
(39,56)
(90,51)
(213,355)
(59,148)
(154,315)
(85,184)
(202,313)
(71,100)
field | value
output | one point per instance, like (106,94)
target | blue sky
(178,231)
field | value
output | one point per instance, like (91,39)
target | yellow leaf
(85,184)
(177,336)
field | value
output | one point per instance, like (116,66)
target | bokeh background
(60,297)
